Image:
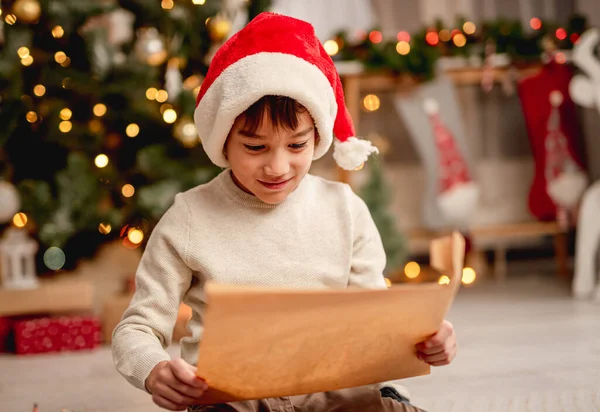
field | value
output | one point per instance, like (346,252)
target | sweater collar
(249,200)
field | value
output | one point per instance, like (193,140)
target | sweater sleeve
(162,279)
(368,255)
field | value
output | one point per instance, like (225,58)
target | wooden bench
(501,236)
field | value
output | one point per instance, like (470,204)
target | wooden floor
(524,346)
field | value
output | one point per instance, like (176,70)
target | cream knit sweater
(321,236)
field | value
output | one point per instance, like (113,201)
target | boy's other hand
(174,385)
(440,349)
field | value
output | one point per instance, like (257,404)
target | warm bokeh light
(66,113)
(403,48)
(331,47)
(127,190)
(444,280)
(151,93)
(104,228)
(535,23)
(469,27)
(459,40)
(468,276)
(162,96)
(561,34)
(31,117)
(167,4)
(132,130)
(432,38)
(170,116)
(20,219)
(412,270)
(375,36)
(58,32)
(371,102)
(60,57)
(39,90)
(27,61)
(445,35)
(99,110)
(403,36)
(65,126)
(360,167)
(199,2)
(10,19)
(135,236)
(101,161)
(388,283)
(561,58)
(23,52)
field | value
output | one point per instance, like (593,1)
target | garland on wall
(417,53)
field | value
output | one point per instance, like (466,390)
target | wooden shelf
(51,297)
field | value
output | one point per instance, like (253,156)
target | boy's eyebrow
(247,133)
(303,132)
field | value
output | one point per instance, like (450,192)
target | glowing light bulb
(101,161)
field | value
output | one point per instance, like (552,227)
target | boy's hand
(439,349)
(174,385)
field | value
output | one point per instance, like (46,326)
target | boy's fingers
(434,358)
(167,404)
(187,390)
(431,351)
(175,394)
(185,372)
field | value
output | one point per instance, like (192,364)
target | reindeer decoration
(585,91)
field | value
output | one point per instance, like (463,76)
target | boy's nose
(277,165)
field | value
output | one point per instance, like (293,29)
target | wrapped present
(66,333)
(6,335)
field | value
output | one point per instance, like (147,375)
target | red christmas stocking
(555,137)
(458,193)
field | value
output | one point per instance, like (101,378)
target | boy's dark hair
(282,110)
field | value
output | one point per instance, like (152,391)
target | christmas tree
(377,196)
(96,106)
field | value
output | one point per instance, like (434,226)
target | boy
(268,107)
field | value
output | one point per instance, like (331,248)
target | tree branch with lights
(97,100)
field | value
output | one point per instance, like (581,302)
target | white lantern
(17,260)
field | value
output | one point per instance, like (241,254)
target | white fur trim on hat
(460,202)
(353,152)
(249,79)
(567,189)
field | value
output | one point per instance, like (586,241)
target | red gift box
(45,335)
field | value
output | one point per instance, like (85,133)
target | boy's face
(271,162)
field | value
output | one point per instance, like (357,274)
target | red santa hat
(277,55)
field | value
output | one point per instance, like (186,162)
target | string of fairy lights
(434,38)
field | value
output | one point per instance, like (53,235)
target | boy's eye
(254,148)
(299,145)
